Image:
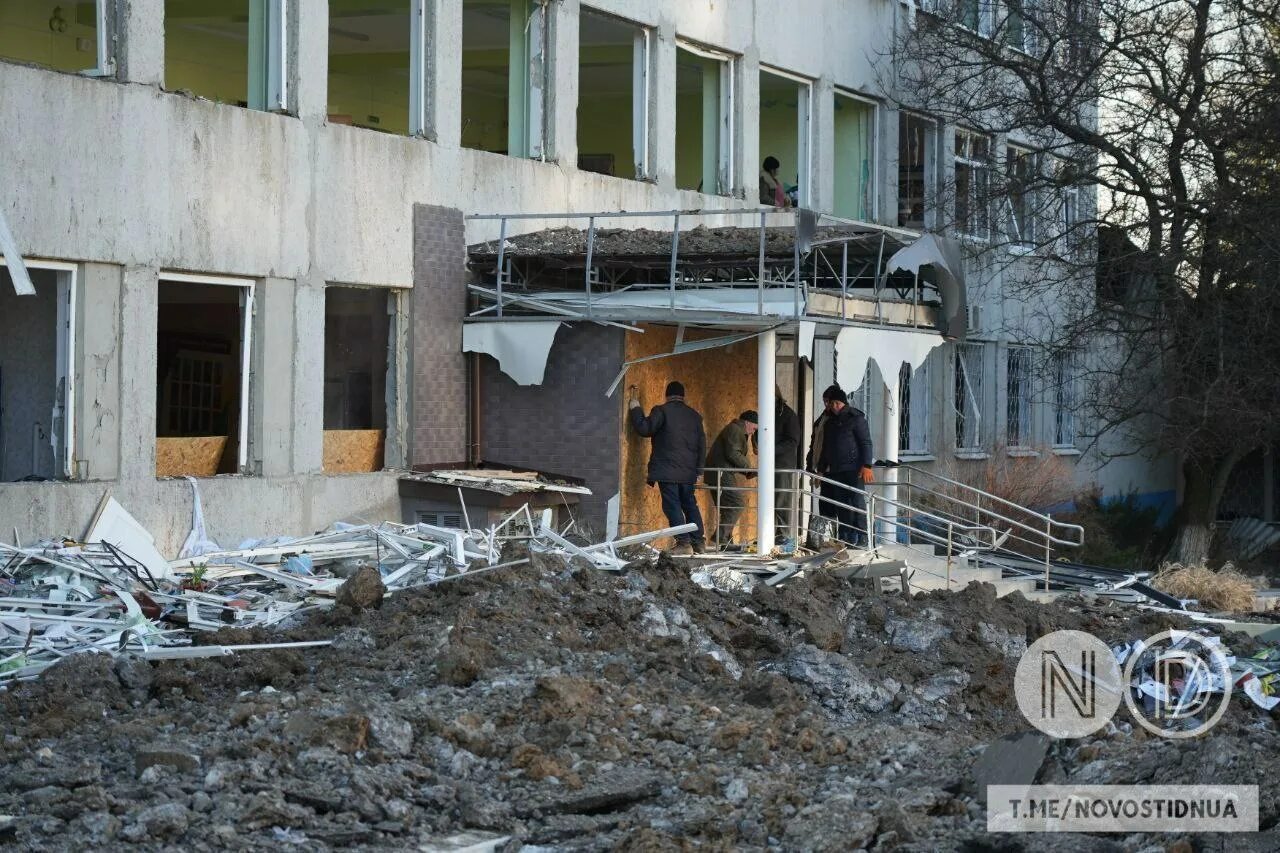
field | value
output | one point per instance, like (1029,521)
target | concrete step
(1043,597)
(1026,586)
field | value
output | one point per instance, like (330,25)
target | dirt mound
(575,709)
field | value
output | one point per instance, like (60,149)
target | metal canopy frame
(792,256)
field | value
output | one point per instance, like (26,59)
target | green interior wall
(30,32)
(780,125)
(854,161)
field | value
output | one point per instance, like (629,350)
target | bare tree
(1146,213)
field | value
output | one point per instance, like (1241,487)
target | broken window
(377,61)
(70,37)
(503,76)
(785,110)
(1018,391)
(855,158)
(203,342)
(1019,204)
(704,120)
(972,162)
(916,167)
(357,351)
(613,96)
(232,51)
(37,388)
(1066,367)
(915,409)
(967,398)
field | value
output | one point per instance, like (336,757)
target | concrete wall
(566,425)
(128,180)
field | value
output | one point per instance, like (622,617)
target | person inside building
(772,192)
(675,460)
(728,464)
(815,441)
(786,448)
(845,459)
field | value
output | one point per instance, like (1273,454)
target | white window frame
(979,185)
(726,177)
(986,16)
(641,59)
(915,402)
(932,135)
(874,189)
(1021,235)
(804,132)
(1068,208)
(248,290)
(421,59)
(268,72)
(1019,400)
(64,369)
(1066,377)
(969,409)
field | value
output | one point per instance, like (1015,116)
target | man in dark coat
(675,461)
(846,458)
(786,450)
(729,453)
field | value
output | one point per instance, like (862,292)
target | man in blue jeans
(675,462)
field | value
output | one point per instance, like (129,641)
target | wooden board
(197,457)
(352,451)
(720,383)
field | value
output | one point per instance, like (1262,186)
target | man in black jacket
(846,458)
(675,462)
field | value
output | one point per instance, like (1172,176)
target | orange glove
(868,476)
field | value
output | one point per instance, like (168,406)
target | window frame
(1019,400)
(873,189)
(726,177)
(1065,398)
(915,402)
(929,168)
(1021,234)
(973,395)
(804,132)
(248,307)
(979,184)
(65,370)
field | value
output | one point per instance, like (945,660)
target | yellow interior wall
(779,125)
(689,141)
(720,383)
(605,117)
(26,35)
(209,65)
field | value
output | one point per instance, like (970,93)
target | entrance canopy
(740,269)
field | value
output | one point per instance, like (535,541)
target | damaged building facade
(245,225)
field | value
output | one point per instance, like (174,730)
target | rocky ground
(576,710)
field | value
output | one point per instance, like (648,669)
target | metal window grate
(1018,386)
(968,396)
(914,403)
(1064,399)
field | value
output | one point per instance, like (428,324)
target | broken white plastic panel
(888,348)
(13,260)
(521,348)
(114,525)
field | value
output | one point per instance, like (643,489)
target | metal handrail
(973,532)
(1049,522)
(1041,537)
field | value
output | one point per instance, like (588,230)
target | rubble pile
(558,705)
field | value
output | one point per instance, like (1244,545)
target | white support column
(766,381)
(889,450)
